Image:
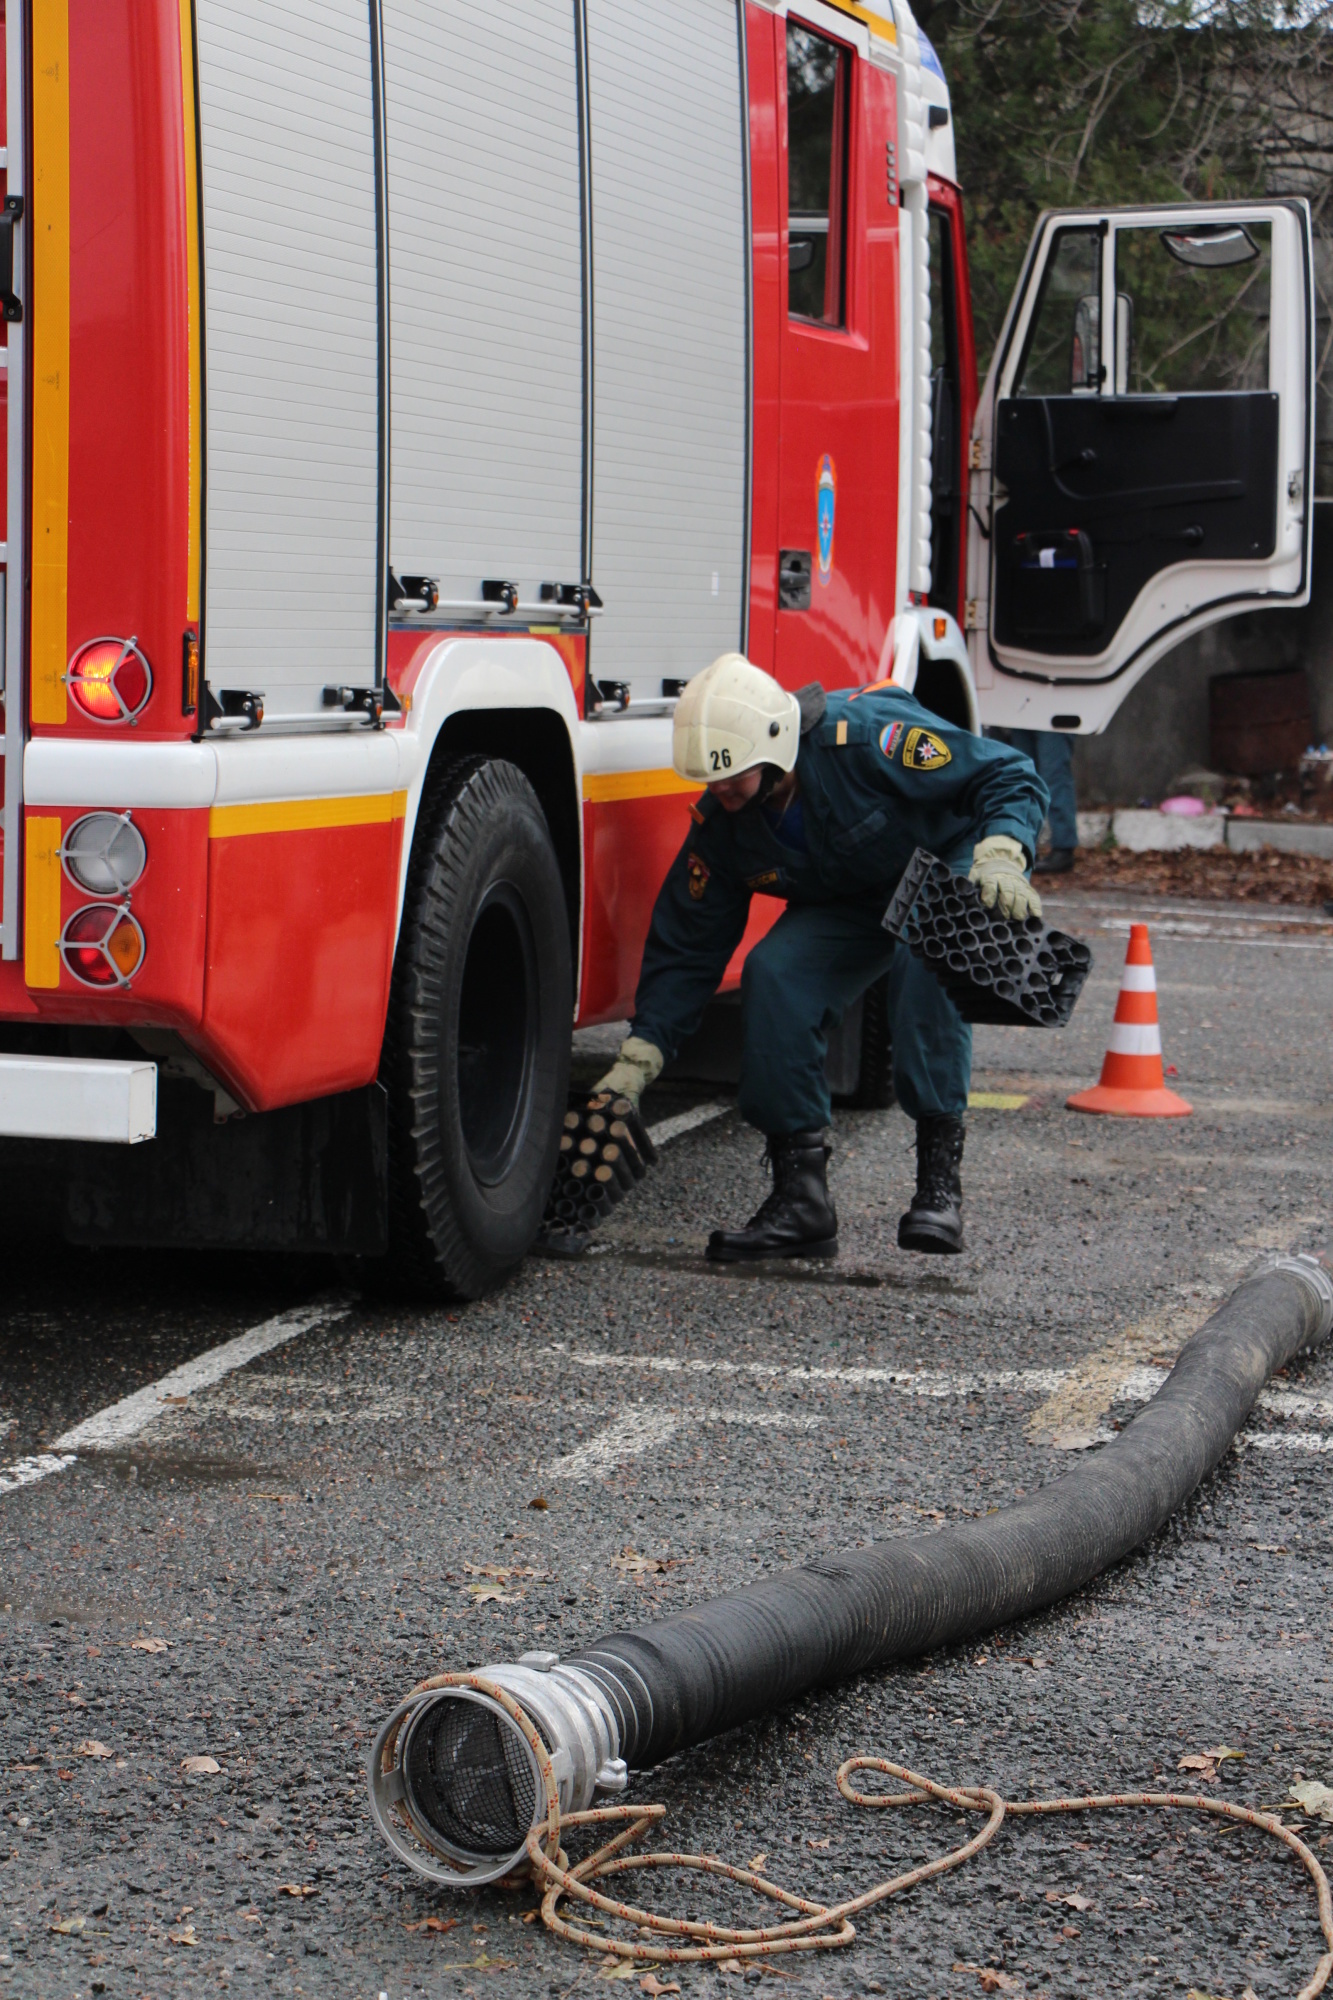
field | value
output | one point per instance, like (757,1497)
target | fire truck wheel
(874,1086)
(476,1052)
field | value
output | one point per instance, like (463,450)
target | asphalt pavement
(251,1563)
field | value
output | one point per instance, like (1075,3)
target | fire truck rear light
(941,627)
(110,680)
(102,945)
(104,853)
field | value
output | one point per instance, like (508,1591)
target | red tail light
(110,680)
(102,944)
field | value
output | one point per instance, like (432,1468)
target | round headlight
(102,945)
(104,853)
(110,680)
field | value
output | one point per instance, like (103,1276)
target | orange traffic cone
(1132,1084)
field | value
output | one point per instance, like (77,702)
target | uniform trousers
(795,986)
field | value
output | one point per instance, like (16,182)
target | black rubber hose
(723,1663)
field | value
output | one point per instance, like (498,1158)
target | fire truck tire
(477,1046)
(874,1086)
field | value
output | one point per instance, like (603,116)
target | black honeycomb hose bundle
(605,1151)
(1012,974)
(680,1682)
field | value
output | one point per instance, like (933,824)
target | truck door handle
(11,213)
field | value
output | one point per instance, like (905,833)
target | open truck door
(1143,453)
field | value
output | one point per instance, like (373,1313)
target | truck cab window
(818,75)
(1194,308)
(1063,356)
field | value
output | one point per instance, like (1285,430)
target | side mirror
(1210,246)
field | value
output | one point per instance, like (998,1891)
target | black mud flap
(311,1177)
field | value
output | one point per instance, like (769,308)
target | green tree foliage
(1081,102)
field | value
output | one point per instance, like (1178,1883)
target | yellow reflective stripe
(50,359)
(603,786)
(305,815)
(194,501)
(878,24)
(41,901)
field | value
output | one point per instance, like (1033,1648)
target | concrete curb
(1143,831)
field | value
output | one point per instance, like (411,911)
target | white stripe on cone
(1134,1039)
(1139,979)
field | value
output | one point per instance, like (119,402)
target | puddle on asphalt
(161,1468)
(787,1271)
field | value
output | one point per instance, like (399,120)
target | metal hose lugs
(744,1654)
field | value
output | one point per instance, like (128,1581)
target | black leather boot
(797,1220)
(934,1222)
(1056,861)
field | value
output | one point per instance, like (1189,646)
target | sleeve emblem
(888,737)
(768,880)
(698,872)
(924,751)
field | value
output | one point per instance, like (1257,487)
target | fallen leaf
(993,1981)
(149,1645)
(531,1916)
(630,1563)
(820,1843)
(426,1924)
(91,1748)
(618,1968)
(1077,1902)
(185,1935)
(1204,1764)
(309,1889)
(75,1700)
(731,1965)
(1223,1752)
(539,1505)
(203,1767)
(70,1927)
(1313,1799)
(489,1593)
(67,1775)
(756,1861)
(652,1985)
(177,1402)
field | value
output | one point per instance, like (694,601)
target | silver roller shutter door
(291,346)
(670,366)
(486,292)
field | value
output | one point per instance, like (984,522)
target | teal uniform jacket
(879,776)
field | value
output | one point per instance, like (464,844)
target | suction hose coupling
(469,1763)
(1318,1280)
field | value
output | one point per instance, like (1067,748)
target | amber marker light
(102,945)
(110,680)
(941,627)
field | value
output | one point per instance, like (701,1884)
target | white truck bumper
(66,1097)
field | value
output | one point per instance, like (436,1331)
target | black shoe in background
(1056,861)
(934,1222)
(797,1219)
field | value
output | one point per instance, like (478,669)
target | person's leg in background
(1053,754)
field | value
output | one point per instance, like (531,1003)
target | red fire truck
(405,398)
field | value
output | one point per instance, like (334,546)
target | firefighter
(820,799)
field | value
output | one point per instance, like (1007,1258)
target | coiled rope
(818,1926)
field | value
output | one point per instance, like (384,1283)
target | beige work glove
(999,868)
(638,1064)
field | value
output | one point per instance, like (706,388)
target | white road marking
(908,1381)
(668,1129)
(637,1430)
(1205,933)
(1137,1385)
(132,1415)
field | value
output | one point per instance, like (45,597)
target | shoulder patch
(925,751)
(697,813)
(698,872)
(888,737)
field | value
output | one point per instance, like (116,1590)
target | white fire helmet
(731,717)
